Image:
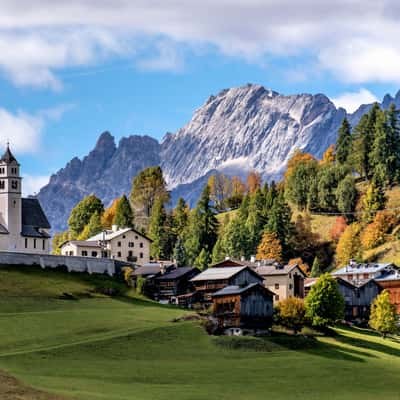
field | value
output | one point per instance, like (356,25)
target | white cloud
(353,39)
(32,184)
(350,101)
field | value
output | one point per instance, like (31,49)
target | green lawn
(100,348)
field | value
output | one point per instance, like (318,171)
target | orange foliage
(238,186)
(109,214)
(375,232)
(298,156)
(338,228)
(253,182)
(349,246)
(329,156)
(270,247)
(302,265)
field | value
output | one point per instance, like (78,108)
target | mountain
(239,129)
(106,171)
(247,128)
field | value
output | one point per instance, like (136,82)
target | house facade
(118,244)
(356,272)
(24,226)
(243,306)
(391,283)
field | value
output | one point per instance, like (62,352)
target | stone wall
(76,264)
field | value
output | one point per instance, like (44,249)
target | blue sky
(71,70)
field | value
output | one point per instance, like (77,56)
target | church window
(2,185)
(14,185)
(26,243)
(34,243)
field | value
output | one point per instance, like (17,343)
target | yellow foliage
(329,156)
(349,246)
(374,234)
(270,247)
(108,216)
(127,272)
(298,156)
(253,182)
(302,265)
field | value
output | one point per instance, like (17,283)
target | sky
(70,70)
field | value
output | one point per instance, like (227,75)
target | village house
(24,226)
(249,306)
(391,282)
(355,272)
(213,279)
(175,283)
(118,244)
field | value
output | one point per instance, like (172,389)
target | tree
(203,260)
(180,217)
(179,253)
(383,317)
(58,240)
(270,247)
(394,143)
(82,212)
(253,182)
(256,220)
(338,228)
(298,157)
(291,313)
(107,219)
(316,268)
(343,144)
(92,228)
(236,241)
(220,189)
(304,240)
(324,303)
(147,187)
(123,213)
(329,157)
(374,233)
(301,264)
(349,245)
(346,196)
(218,253)
(373,201)
(238,192)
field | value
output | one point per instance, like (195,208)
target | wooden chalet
(391,282)
(214,279)
(175,283)
(249,306)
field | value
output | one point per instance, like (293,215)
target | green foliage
(203,260)
(147,187)
(92,228)
(179,253)
(324,304)
(237,241)
(58,240)
(316,270)
(123,213)
(140,285)
(343,144)
(373,201)
(383,316)
(180,216)
(292,313)
(82,212)
(254,225)
(346,196)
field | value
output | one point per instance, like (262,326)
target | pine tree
(383,315)
(270,247)
(237,239)
(107,218)
(203,260)
(343,144)
(256,219)
(157,231)
(179,253)
(346,196)
(349,245)
(373,201)
(218,253)
(181,216)
(123,213)
(394,143)
(316,268)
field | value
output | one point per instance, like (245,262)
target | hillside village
(242,252)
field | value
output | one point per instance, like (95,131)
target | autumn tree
(58,239)
(329,157)
(238,192)
(349,245)
(383,316)
(292,313)
(301,264)
(123,214)
(270,247)
(180,217)
(298,157)
(304,240)
(324,303)
(107,219)
(82,213)
(253,182)
(147,187)
(338,228)
(374,233)
(373,201)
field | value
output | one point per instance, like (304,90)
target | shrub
(383,314)
(291,313)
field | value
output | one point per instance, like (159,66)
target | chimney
(242,258)
(227,258)
(162,268)
(253,259)
(114,228)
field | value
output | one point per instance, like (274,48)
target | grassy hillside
(100,348)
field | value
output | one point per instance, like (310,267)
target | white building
(23,224)
(118,244)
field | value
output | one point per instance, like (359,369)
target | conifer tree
(346,196)
(158,232)
(123,213)
(218,253)
(256,219)
(383,316)
(92,228)
(203,260)
(343,144)
(179,253)
(180,216)
(373,201)
(270,247)
(394,143)
(237,239)
(316,268)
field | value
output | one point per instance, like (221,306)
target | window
(71,253)
(44,244)
(84,253)
(366,276)
(119,244)
(123,237)
(130,253)
(141,245)
(276,285)
(131,244)
(290,286)
(34,243)
(141,255)
(26,243)
(277,297)
(94,253)
(136,237)
(2,185)
(14,185)
(119,254)
(2,171)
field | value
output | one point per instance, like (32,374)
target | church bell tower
(10,198)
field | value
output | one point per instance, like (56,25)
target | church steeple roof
(8,157)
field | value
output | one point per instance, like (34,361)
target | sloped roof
(35,232)
(264,270)
(216,273)
(235,290)
(390,276)
(148,270)
(177,273)
(8,157)
(356,268)
(113,234)
(33,214)
(84,243)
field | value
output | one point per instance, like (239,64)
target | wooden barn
(213,279)
(249,306)
(391,282)
(175,283)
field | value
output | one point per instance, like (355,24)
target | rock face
(240,129)
(247,128)
(106,171)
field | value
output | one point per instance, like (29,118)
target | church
(24,226)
